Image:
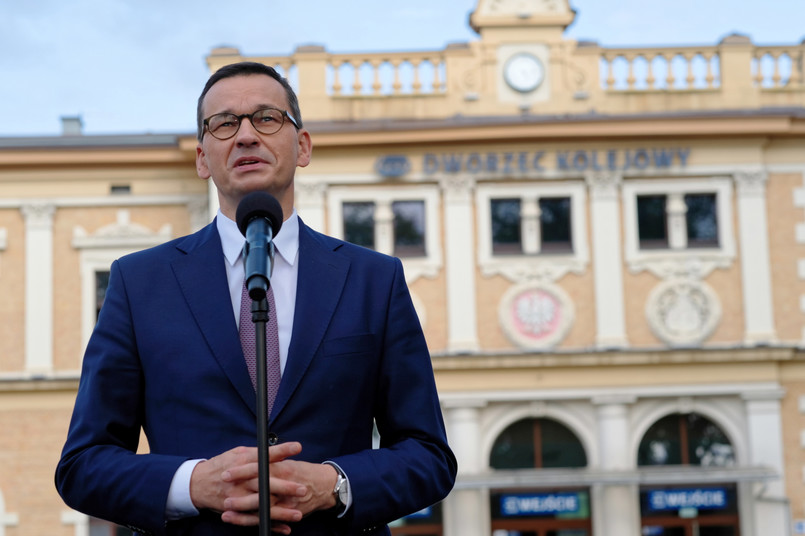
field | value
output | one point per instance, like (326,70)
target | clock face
(523,72)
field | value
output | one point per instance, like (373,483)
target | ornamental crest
(536,315)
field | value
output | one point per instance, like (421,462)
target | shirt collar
(286,243)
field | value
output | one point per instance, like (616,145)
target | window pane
(707,444)
(560,446)
(701,220)
(555,224)
(514,447)
(409,228)
(660,445)
(359,224)
(651,221)
(704,443)
(101,282)
(506,226)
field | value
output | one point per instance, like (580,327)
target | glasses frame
(241,117)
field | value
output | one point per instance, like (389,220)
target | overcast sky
(137,66)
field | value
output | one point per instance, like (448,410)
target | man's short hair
(247,68)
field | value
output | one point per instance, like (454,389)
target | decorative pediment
(123,233)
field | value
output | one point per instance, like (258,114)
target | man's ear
(305,152)
(201,163)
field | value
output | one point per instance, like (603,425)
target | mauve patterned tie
(247,340)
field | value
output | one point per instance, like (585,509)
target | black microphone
(259,218)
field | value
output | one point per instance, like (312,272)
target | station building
(606,248)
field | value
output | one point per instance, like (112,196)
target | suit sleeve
(414,466)
(99,472)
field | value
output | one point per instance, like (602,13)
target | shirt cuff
(179,503)
(346,483)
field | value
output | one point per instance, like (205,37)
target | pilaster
(756,265)
(38,287)
(462,336)
(610,317)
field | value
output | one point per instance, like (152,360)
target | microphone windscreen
(259,205)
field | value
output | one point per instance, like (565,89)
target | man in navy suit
(165,357)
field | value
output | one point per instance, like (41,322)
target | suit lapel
(321,278)
(202,279)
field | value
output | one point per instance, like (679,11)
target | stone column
(465,512)
(38,288)
(618,505)
(610,318)
(755,263)
(462,336)
(765,434)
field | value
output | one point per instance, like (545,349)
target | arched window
(685,439)
(541,509)
(537,443)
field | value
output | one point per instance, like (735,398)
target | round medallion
(536,316)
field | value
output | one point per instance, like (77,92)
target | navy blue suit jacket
(165,356)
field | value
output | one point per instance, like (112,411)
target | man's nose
(247,134)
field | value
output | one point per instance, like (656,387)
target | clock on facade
(523,72)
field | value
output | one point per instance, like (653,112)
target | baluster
(356,84)
(709,78)
(690,79)
(776,77)
(610,82)
(416,86)
(437,82)
(397,85)
(337,87)
(630,79)
(376,85)
(650,79)
(759,72)
(669,78)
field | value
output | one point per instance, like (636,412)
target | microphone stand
(260,318)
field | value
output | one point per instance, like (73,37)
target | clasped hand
(229,484)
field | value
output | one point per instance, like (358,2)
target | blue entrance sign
(539,504)
(675,499)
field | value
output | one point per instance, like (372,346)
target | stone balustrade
(464,80)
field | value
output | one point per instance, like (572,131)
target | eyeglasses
(265,121)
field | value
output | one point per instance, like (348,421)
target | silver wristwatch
(340,490)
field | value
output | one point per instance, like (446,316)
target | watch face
(523,72)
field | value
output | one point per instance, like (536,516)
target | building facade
(606,248)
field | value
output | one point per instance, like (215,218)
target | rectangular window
(517,230)
(506,233)
(359,223)
(555,225)
(409,228)
(651,221)
(694,217)
(701,220)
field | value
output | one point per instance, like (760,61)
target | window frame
(721,186)
(427,265)
(552,263)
